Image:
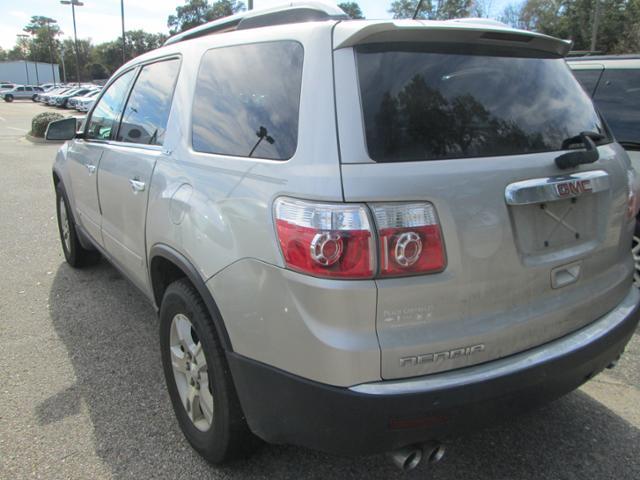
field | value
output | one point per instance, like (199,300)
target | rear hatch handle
(588,155)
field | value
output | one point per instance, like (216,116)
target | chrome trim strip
(539,190)
(509,365)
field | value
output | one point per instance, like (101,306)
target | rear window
(618,98)
(247,100)
(423,103)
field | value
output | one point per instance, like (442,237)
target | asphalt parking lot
(82,393)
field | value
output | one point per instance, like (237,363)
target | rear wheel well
(56,179)
(163,273)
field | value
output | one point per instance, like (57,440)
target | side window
(147,111)
(247,100)
(618,98)
(28,89)
(104,118)
(20,89)
(588,79)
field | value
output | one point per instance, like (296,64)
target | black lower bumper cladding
(284,408)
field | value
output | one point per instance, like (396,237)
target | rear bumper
(381,416)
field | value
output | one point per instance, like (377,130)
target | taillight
(410,239)
(325,240)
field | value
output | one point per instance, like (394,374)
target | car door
(84,155)
(128,162)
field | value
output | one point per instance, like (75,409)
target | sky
(100,19)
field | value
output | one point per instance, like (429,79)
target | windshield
(423,103)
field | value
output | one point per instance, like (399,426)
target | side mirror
(64,129)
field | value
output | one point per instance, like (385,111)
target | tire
(33,98)
(8,98)
(74,253)
(221,435)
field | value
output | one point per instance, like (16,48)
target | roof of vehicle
(606,61)
(351,32)
(588,58)
(295,12)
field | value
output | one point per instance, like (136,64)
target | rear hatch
(471,119)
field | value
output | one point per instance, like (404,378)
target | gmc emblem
(573,188)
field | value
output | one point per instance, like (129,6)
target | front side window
(104,118)
(423,103)
(618,98)
(147,112)
(247,100)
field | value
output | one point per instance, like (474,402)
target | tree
(84,54)
(3,54)
(97,71)
(352,9)
(406,8)
(44,44)
(574,20)
(197,12)
(433,9)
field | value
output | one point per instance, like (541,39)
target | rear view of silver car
(361,236)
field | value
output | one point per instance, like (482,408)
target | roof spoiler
(476,31)
(285,14)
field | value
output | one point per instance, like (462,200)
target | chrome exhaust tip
(409,457)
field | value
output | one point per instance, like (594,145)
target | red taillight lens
(410,239)
(325,240)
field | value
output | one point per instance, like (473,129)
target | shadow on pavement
(110,332)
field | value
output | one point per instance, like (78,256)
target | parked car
(84,104)
(61,99)
(6,86)
(90,94)
(44,97)
(613,81)
(20,92)
(360,236)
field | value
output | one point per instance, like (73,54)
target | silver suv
(360,236)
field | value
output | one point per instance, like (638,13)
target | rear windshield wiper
(629,144)
(588,155)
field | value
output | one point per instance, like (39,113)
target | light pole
(74,4)
(250,7)
(49,22)
(24,36)
(124,43)
(64,69)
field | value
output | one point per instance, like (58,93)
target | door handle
(137,185)
(91,168)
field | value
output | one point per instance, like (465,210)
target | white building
(29,73)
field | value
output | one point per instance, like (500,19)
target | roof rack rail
(284,14)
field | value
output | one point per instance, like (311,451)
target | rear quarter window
(247,100)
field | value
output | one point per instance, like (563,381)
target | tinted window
(247,100)
(588,79)
(104,118)
(20,89)
(421,104)
(618,98)
(147,111)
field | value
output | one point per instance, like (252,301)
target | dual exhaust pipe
(409,457)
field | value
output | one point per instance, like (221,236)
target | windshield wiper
(629,144)
(588,155)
